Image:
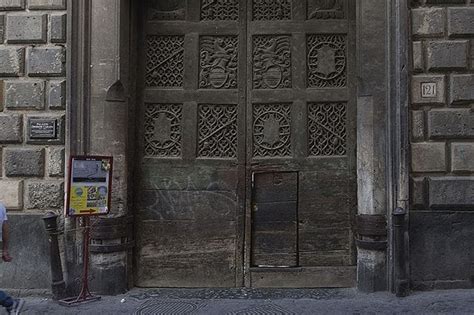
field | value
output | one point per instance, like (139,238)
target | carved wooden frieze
(271,10)
(164,61)
(327,129)
(271,130)
(217,131)
(326,61)
(218,62)
(219,10)
(163,131)
(167,10)
(325,9)
(271,62)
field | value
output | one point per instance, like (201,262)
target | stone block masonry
(442,137)
(32,86)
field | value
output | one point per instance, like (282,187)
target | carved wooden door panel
(246,144)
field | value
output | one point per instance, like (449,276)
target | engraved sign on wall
(268,10)
(326,61)
(163,131)
(218,62)
(164,61)
(271,130)
(219,10)
(167,10)
(327,129)
(271,62)
(325,9)
(217,131)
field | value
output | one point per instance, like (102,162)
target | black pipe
(402,284)
(58,286)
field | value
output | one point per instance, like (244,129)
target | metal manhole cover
(167,308)
(269,309)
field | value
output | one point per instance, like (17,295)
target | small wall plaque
(428,89)
(43,128)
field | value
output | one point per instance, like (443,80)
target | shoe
(16,306)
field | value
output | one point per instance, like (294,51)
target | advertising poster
(90,181)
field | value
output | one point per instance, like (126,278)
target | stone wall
(32,122)
(442,144)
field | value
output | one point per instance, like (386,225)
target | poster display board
(89,185)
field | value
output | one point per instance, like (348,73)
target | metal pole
(401,276)
(58,285)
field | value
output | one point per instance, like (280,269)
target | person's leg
(5,299)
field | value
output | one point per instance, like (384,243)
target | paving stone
(11,193)
(12,61)
(2,28)
(418,56)
(461,88)
(447,54)
(462,157)
(445,1)
(417,125)
(47,4)
(450,123)
(11,127)
(461,21)
(24,94)
(58,28)
(57,95)
(428,21)
(417,189)
(428,157)
(46,61)
(24,162)
(12,4)
(31,28)
(428,89)
(44,195)
(451,192)
(56,162)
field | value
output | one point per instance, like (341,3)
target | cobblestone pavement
(255,301)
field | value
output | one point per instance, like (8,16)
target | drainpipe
(399,228)
(58,286)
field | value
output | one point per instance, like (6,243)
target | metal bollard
(58,285)
(402,284)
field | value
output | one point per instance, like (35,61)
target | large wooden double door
(246,137)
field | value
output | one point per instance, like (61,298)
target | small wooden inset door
(246,143)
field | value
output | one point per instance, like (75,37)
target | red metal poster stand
(85,295)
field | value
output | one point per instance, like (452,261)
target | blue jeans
(5,299)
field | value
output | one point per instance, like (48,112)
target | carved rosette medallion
(218,62)
(325,9)
(327,61)
(271,130)
(271,62)
(327,129)
(167,10)
(219,10)
(217,131)
(164,61)
(271,10)
(163,130)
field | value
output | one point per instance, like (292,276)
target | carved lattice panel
(219,10)
(325,9)
(326,61)
(217,131)
(269,10)
(272,130)
(218,62)
(164,64)
(271,62)
(327,129)
(167,10)
(163,130)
